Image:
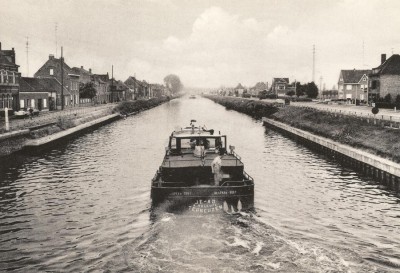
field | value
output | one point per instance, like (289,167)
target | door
(40,104)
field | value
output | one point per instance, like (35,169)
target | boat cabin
(190,154)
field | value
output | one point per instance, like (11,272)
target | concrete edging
(50,138)
(383,166)
(14,134)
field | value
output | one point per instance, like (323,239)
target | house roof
(5,60)
(52,62)
(282,80)
(239,86)
(391,66)
(354,75)
(30,85)
(102,77)
(80,71)
(260,86)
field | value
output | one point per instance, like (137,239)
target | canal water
(85,206)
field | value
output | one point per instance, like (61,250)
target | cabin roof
(188,134)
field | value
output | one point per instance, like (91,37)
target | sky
(208,44)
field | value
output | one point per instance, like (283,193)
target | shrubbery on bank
(128,107)
(254,108)
(350,130)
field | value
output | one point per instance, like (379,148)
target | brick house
(52,69)
(260,86)
(239,89)
(102,84)
(385,79)
(33,94)
(353,84)
(84,75)
(9,80)
(157,90)
(280,86)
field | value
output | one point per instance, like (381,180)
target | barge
(201,173)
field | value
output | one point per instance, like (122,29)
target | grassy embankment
(349,130)
(254,108)
(14,144)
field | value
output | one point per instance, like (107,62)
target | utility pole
(27,56)
(62,79)
(313,64)
(112,83)
(320,84)
(55,30)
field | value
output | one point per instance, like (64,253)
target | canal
(85,206)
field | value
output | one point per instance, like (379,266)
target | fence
(392,121)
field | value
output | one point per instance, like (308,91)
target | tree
(311,90)
(398,100)
(299,89)
(388,98)
(290,93)
(87,90)
(173,83)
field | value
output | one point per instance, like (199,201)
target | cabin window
(173,143)
(185,143)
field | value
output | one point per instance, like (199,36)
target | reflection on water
(85,206)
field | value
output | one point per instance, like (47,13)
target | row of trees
(309,89)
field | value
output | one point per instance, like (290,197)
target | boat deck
(189,160)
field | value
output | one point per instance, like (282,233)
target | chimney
(90,70)
(51,57)
(383,58)
(81,66)
(0,45)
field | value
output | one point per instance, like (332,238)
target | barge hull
(205,199)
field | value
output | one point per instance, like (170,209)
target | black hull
(207,199)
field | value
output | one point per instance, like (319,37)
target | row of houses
(57,85)
(364,85)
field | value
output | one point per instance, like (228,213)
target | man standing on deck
(216,169)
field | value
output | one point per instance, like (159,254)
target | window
(21,104)
(373,85)
(51,71)
(348,87)
(33,103)
(281,87)
(45,103)
(1,76)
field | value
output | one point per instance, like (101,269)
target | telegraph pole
(55,31)
(62,79)
(313,63)
(112,83)
(27,56)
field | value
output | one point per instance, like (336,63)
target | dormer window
(51,71)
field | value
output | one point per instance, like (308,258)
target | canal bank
(364,145)
(37,138)
(385,171)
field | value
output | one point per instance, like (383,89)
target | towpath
(52,116)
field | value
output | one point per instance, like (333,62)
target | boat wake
(228,243)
